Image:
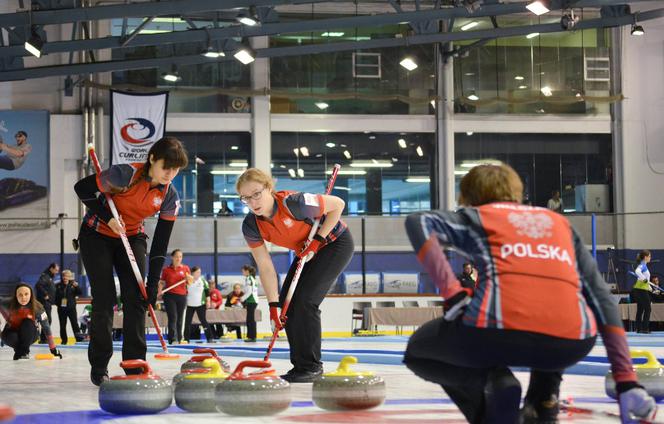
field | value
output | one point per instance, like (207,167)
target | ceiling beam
(59,70)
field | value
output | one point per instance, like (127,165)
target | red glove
(275,321)
(312,247)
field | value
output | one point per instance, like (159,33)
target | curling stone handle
(206,350)
(248,364)
(651,360)
(212,365)
(345,363)
(132,364)
(200,358)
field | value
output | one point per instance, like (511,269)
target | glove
(311,247)
(275,321)
(152,294)
(454,306)
(56,352)
(635,402)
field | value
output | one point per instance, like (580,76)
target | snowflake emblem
(288,222)
(533,225)
(156,202)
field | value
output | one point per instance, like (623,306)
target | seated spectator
(216,301)
(467,277)
(657,295)
(234,300)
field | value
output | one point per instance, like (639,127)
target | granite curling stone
(203,354)
(144,393)
(195,392)
(255,394)
(650,375)
(344,389)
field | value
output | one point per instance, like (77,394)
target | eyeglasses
(257,195)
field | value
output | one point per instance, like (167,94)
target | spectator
(198,301)
(45,293)
(24,317)
(216,301)
(66,293)
(234,300)
(224,210)
(175,301)
(555,202)
(657,295)
(466,278)
(84,319)
(641,292)
(250,300)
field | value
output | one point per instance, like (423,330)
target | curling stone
(205,353)
(144,393)
(345,389)
(195,392)
(255,394)
(650,375)
(6,413)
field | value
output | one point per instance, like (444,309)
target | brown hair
(250,269)
(642,255)
(254,175)
(490,183)
(33,304)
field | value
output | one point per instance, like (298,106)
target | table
(214,316)
(415,316)
(628,312)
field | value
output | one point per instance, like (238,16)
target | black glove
(152,294)
(455,305)
(56,352)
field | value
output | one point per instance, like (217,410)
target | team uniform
(641,295)
(102,252)
(250,302)
(175,300)
(22,328)
(539,302)
(292,217)
(197,294)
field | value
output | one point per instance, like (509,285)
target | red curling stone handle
(237,374)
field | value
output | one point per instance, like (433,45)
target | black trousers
(251,320)
(459,358)
(643,307)
(175,305)
(21,338)
(63,315)
(101,255)
(200,311)
(48,309)
(303,326)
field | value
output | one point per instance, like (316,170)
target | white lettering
(540,251)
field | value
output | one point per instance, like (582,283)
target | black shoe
(18,356)
(250,340)
(502,395)
(302,376)
(545,412)
(97,379)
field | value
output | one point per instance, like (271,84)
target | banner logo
(138,127)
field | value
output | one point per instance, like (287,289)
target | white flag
(138,121)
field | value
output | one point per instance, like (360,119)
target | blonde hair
(254,175)
(490,183)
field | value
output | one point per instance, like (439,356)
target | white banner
(138,121)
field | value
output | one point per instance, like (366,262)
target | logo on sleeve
(288,222)
(533,225)
(156,201)
(311,200)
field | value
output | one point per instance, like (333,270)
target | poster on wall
(138,121)
(24,169)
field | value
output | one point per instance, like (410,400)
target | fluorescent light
(330,145)
(419,151)
(418,180)
(636,30)
(532,35)
(245,56)
(322,105)
(519,78)
(34,45)
(460,172)
(433,103)
(171,77)
(291,172)
(296,151)
(522,87)
(228,196)
(332,34)
(347,154)
(469,164)
(240,164)
(300,172)
(546,90)
(469,25)
(538,7)
(402,143)
(246,20)
(234,147)
(473,97)
(469,133)
(481,162)
(226,172)
(282,166)
(344,188)
(349,172)
(305,151)
(371,164)
(408,63)
(395,160)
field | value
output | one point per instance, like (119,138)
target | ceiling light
(226,172)
(371,164)
(568,21)
(234,147)
(330,145)
(322,105)
(519,78)
(319,155)
(296,151)
(172,76)
(242,164)
(34,45)
(469,74)
(532,35)
(332,34)
(344,188)
(418,180)
(282,166)
(343,145)
(636,30)
(460,172)
(372,137)
(469,133)
(300,172)
(246,19)
(473,97)
(408,63)
(347,154)
(291,172)
(395,160)
(305,151)
(402,143)
(271,165)
(349,172)
(433,103)
(538,7)
(546,90)
(522,87)
(469,25)
(245,55)
(419,151)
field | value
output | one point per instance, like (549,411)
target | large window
(579,166)
(381,174)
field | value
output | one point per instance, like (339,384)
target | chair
(411,304)
(358,315)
